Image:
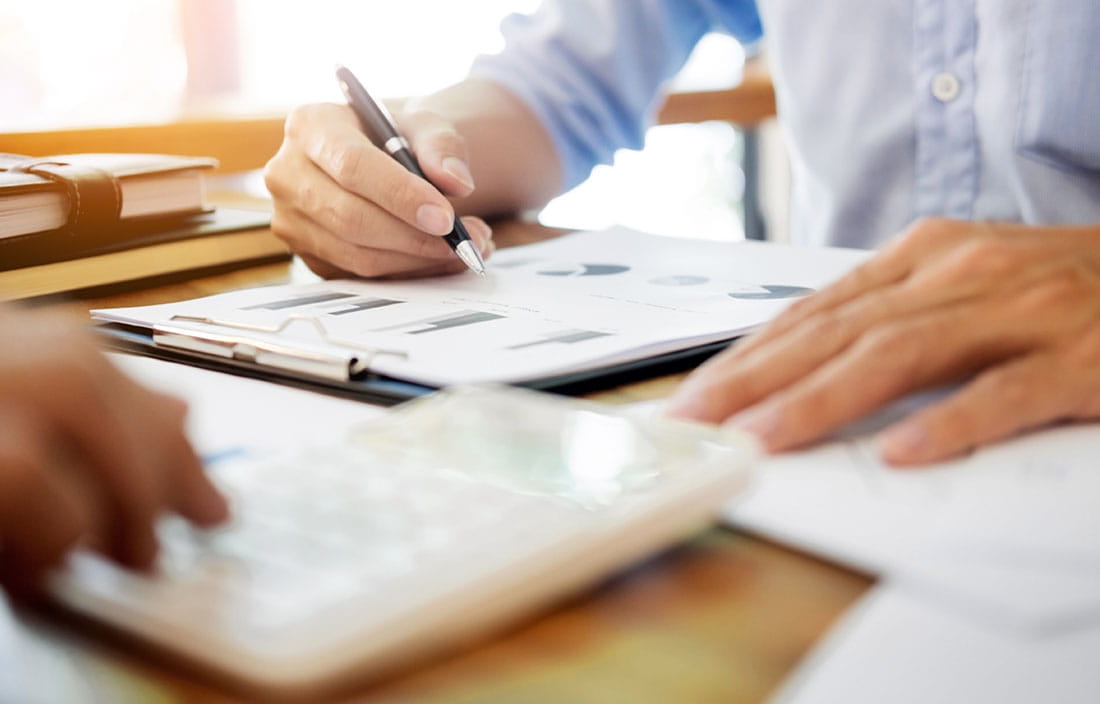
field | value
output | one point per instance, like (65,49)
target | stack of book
(85,220)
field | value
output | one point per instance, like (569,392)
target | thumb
(440,149)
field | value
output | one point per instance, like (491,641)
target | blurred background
(66,64)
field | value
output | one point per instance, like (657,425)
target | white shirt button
(946,87)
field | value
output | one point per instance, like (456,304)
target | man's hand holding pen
(339,198)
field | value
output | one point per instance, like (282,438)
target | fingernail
(903,443)
(434,220)
(763,422)
(457,167)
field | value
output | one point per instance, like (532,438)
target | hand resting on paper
(1011,311)
(86,454)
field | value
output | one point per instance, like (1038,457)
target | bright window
(86,63)
(67,63)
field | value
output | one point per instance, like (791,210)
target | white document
(230,413)
(897,647)
(1009,534)
(582,301)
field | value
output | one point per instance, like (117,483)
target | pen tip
(471,257)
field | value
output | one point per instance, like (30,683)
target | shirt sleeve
(593,70)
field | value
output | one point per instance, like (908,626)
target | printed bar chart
(566,337)
(441,322)
(300,301)
(365,304)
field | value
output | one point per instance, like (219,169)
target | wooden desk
(723,618)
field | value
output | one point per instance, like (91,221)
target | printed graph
(587,270)
(770,293)
(364,304)
(441,322)
(299,301)
(561,337)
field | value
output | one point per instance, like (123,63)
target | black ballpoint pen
(379,126)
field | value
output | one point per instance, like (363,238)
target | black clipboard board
(383,390)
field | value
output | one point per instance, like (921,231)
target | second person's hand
(1009,310)
(87,456)
(348,208)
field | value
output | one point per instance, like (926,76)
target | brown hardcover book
(62,207)
(76,221)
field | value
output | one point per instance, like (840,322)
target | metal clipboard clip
(298,356)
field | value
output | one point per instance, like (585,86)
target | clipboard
(583,312)
(360,383)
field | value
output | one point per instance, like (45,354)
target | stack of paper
(1009,534)
(990,566)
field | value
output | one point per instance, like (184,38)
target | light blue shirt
(893,109)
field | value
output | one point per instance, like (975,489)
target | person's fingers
(314,243)
(188,490)
(324,269)
(84,398)
(340,149)
(439,149)
(769,362)
(885,364)
(345,216)
(888,268)
(135,481)
(41,516)
(737,378)
(1000,402)
(124,444)
(479,232)
(1019,395)
(482,236)
(727,383)
(332,257)
(925,240)
(368,262)
(986,267)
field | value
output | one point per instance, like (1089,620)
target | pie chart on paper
(587,270)
(770,292)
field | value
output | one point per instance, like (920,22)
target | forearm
(511,156)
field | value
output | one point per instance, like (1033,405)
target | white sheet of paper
(229,412)
(895,646)
(581,301)
(1009,534)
